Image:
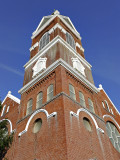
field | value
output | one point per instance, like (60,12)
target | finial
(9,92)
(55,12)
(100,86)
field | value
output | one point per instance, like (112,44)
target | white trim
(51,68)
(63,30)
(49,45)
(51,30)
(79,46)
(9,123)
(9,95)
(101,88)
(73,30)
(3,110)
(37,111)
(36,32)
(8,109)
(39,66)
(85,110)
(34,46)
(105,116)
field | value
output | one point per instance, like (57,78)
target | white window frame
(91,105)
(8,109)
(43,44)
(73,92)
(3,110)
(82,98)
(38,105)
(29,106)
(107,106)
(70,40)
(49,92)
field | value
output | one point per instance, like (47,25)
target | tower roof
(47,19)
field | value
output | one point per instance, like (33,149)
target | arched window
(39,100)
(3,111)
(103,104)
(29,106)
(50,92)
(70,40)
(37,125)
(91,107)
(113,135)
(8,109)
(44,40)
(72,91)
(82,99)
(107,106)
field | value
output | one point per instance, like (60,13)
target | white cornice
(73,30)
(49,45)
(51,68)
(9,95)
(35,33)
(79,46)
(101,88)
(34,46)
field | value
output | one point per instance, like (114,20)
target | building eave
(9,95)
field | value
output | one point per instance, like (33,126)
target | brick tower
(61,115)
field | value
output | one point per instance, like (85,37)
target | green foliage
(5,139)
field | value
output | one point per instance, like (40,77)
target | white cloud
(10,69)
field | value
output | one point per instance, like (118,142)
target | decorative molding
(78,65)
(85,110)
(51,30)
(108,116)
(41,82)
(51,68)
(9,123)
(39,66)
(79,46)
(9,95)
(34,46)
(37,111)
(37,31)
(63,30)
(101,88)
(52,43)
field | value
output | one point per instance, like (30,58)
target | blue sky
(98,23)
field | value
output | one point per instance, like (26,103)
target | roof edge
(9,95)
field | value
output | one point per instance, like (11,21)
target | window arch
(39,100)
(44,40)
(103,104)
(29,106)
(70,40)
(50,92)
(72,91)
(107,106)
(3,111)
(82,99)
(91,107)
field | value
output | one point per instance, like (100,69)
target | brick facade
(63,135)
